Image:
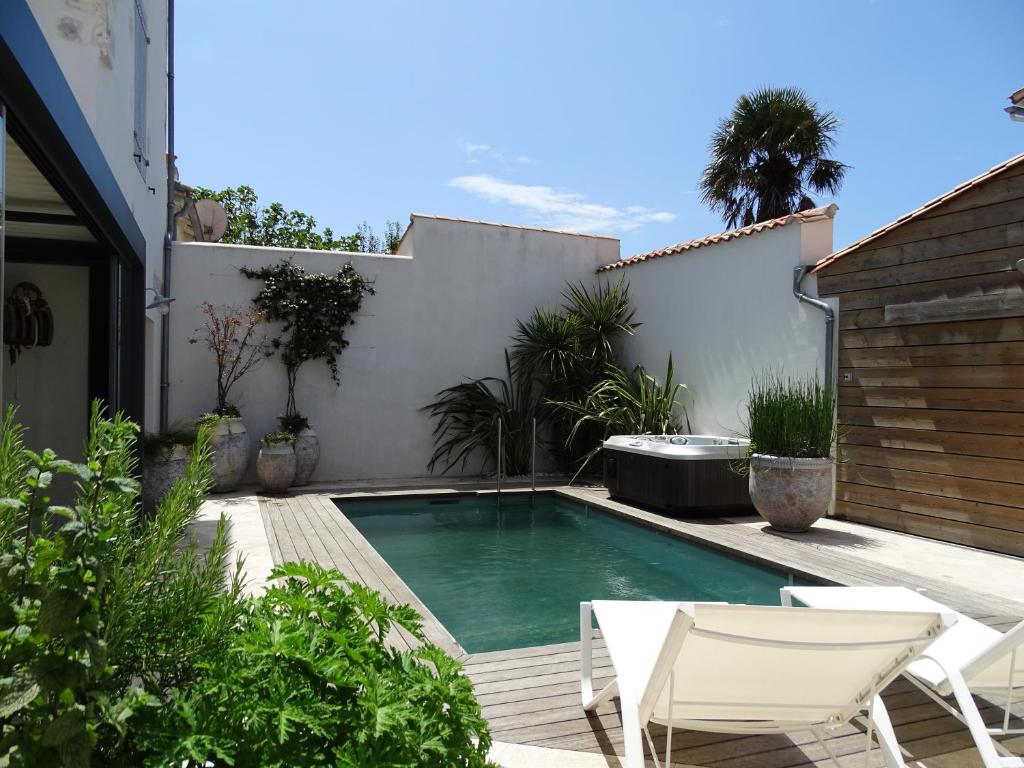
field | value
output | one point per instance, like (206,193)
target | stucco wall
(726,312)
(444,309)
(57,421)
(94,46)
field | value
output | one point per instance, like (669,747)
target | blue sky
(593,116)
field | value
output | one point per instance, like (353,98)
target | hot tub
(680,474)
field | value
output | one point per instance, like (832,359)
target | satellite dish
(212,220)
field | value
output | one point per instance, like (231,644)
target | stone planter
(230,443)
(307,454)
(791,494)
(275,467)
(160,472)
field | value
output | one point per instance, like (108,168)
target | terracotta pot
(307,454)
(791,494)
(230,443)
(275,467)
(160,472)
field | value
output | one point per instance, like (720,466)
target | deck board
(532,695)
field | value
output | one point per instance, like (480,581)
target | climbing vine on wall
(314,309)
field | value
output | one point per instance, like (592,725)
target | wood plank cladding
(931,370)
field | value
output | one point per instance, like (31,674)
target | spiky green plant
(467,422)
(791,417)
(629,403)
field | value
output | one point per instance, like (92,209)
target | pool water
(514,577)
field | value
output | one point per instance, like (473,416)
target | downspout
(165,320)
(830,318)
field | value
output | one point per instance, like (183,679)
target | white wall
(444,309)
(57,421)
(727,312)
(94,46)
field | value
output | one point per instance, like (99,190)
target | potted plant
(237,338)
(792,430)
(275,464)
(307,446)
(314,309)
(164,457)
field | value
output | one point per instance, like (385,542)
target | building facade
(83,90)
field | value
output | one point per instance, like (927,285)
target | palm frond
(766,155)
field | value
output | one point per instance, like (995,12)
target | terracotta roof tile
(813,214)
(916,213)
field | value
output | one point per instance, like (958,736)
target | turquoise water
(515,577)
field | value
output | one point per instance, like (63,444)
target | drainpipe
(830,318)
(165,320)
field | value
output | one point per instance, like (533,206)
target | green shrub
(121,645)
(628,403)
(467,422)
(307,679)
(101,610)
(791,417)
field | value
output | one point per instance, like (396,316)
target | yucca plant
(603,315)
(629,403)
(791,417)
(467,422)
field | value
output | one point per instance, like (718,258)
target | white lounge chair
(750,669)
(970,658)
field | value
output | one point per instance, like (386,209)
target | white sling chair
(750,669)
(971,658)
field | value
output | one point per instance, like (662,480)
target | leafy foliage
(278,438)
(388,243)
(238,341)
(157,446)
(307,679)
(293,423)
(121,645)
(630,403)
(272,225)
(101,609)
(558,357)
(791,417)
(768,155)
(467,422)
(314,309)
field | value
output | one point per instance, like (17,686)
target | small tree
(272,225)
(315,308)
(238,340)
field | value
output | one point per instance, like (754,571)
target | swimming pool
(515,576)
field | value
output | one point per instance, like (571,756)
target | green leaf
(59,611)
(65,727)
(15,701)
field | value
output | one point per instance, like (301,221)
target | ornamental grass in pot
(792,430)
(275,463)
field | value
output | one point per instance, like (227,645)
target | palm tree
(768,154)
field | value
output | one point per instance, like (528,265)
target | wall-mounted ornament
(28,320)
(101,36)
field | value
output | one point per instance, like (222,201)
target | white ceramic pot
(230,443)
(307,454)
(275,467)
(160,472)
(791,494)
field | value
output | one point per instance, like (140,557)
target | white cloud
(476,152)
(559,210)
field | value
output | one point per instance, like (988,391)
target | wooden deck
(532,695)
